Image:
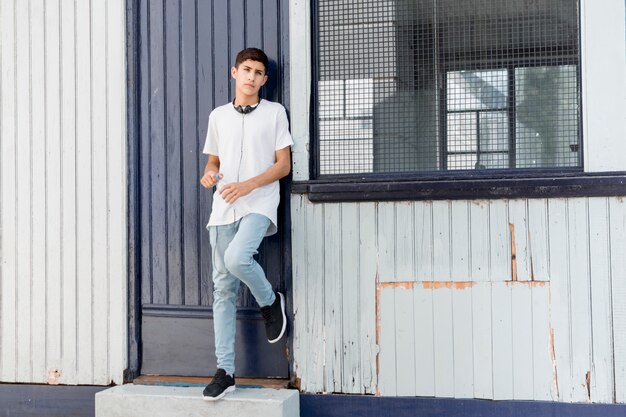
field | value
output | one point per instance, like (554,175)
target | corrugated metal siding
(63,191)
(483,299)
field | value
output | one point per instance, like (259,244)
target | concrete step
(156,401)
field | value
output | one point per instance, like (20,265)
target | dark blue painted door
(186,49)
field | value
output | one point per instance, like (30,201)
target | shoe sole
(227,390)
(282,309)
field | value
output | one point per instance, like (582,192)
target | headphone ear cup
(244,110)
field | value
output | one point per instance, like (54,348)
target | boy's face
(249,77)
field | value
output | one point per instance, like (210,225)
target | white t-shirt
(246,145)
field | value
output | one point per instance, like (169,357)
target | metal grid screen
(435,85)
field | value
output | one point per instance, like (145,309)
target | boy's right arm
(211,172)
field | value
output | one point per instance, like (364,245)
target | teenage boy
(248,145)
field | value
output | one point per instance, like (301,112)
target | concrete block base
(156,401)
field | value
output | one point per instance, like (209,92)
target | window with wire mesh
(437,85)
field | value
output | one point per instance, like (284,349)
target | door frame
(133,369)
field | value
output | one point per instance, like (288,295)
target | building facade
(480,265)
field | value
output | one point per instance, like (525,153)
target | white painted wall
(434,288)
(603,53)
(62,191)
(300,78)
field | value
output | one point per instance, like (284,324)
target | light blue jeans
(233,247)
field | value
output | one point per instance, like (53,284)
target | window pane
(443,84)
(346,146)
(330,97)
(476,90)
(494,131)
(493,161)
(462,132)
(547,116)
(462,161)
(359,98)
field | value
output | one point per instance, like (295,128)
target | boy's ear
(264,80)
(233,72)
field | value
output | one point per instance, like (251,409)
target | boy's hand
(210,178)
(231,192)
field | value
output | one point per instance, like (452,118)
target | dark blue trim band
(314,405)
(22,400)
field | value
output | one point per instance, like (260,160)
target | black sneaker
(219,386)
(275,319)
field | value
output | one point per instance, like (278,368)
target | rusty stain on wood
(513,253)
(529,284)
(455,285)
(555,379)
(407,285)
(429,285)
(53,376)
(458,285)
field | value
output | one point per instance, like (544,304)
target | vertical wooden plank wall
(500,299)
(62,191)
(184,72)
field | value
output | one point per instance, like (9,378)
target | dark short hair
(253,54)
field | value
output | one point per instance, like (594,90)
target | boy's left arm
(231,192)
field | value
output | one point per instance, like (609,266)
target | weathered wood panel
(602,364)
(479,256)
(333,293)
(579,297)
(463,362)
(522,307)
(499,241)
(63,192)
(387,383)
(349,342)
(443,341)
(617,227)
(386,226)
(424,241)
(523,329)
(502,330)
(441,241)
(424,347)
(460,244)
(368,269)
(482,341)
(508,364)
(404,341)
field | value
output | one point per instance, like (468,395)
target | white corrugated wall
(503,299)
(62,191)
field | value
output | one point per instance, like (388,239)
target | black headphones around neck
(246,109)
